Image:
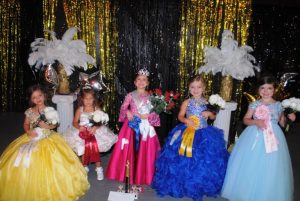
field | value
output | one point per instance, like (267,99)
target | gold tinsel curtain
(97,23)
(49,17)
(202,23)
(11,83)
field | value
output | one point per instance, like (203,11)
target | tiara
(143,71)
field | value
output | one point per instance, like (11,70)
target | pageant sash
(25,150)
(91,151)
(262,112)
(186,146)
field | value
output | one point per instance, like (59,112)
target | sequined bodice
(33,117)
(275,109)
(195,108)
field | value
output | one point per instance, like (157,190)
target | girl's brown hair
(196,78)
(31,90)
(83,92)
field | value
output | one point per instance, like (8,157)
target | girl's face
(141,82)
(88,100)
(266,91)
(196,88)
(38,98)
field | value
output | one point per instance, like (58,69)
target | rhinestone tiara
(143,71)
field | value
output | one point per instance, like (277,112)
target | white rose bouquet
(96,118)
(291,105)
(215,103)
(50,116)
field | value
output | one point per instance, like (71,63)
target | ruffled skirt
(104,136)
(52,172)
(201,174)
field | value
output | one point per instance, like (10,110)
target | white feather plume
(230,59)
(70,53)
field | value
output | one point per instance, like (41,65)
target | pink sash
(262,112)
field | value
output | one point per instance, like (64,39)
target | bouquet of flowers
(96,118)
(163,102)
(291,105)
(216,103)
(49,116)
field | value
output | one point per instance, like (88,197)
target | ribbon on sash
(186,146)
(91,151)
(135,125)
(262,112)
(25,150)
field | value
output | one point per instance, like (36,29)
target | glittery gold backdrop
(202,23)
(49,11)
(9,43)
(97,23)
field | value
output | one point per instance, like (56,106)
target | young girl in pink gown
(137,140)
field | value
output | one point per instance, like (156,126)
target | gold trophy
(127,178)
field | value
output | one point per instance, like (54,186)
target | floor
(11,127)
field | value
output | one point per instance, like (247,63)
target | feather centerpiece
(70,53)
(229,59)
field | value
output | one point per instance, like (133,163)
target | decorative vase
(226,87)
(64,84)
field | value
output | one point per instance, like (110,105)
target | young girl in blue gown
(259,167)
(194,158)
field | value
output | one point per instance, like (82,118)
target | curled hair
(84,92)
(196,78)
(31,90)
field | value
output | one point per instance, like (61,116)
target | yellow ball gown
(41,170)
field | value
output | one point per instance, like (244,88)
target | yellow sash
(188,138)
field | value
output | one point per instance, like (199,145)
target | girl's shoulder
(28,112)
(254,104)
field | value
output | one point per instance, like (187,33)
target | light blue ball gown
(254,175)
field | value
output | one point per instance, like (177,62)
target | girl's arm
(182,111)
(76,119)
(42,124)
(26,126)
(209,115)
(153,119)
(124,111)
(181,115)
(282,118)
(248,120)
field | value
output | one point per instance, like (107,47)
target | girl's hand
(291,116)
(260,124)
(129,115)
(81,128)
(190,123)
(42,124)
(144,116)
(207,114)
(93,129)
(31,133)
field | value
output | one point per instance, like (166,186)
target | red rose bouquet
(163,102)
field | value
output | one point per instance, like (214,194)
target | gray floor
(11,127)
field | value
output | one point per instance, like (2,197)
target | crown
(143,71)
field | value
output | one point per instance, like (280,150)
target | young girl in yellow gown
(39,165)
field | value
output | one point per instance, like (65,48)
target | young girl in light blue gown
(259,167)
